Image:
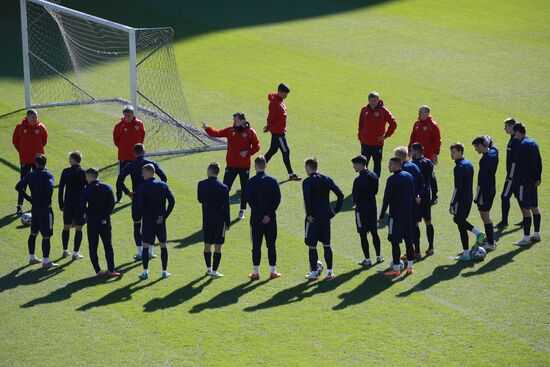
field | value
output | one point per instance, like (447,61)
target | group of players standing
(410,191)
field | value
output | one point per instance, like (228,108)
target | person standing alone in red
(29,138)
(426,132)
(127,133)
(372,130)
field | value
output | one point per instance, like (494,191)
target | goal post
(74,58)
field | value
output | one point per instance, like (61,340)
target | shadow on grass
(304,290)
(178,296)
(8,219)
(10,165)
(194,238)
(497,262)
(120,207)
(13,279)
(348,204)
(500,233)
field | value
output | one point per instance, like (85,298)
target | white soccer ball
(478,253)
(26,219)
(320,267)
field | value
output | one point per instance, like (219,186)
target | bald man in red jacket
(372,129)
(242,144)
(426,132)
(29,139)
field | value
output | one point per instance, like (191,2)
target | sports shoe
(365,263)
(77,257)
(137,257)
(165,274)
(393,273)
(535,238)
(463,257)
(118,198)
(430,251)
(274,274)
(314,275)
(489,247)
(401,265)
(153,256)
(19,210)
(523,243)
(113,274)
(410,271)
(208,272)
(320,268)
(403,257)
(331,276)
(481,239)
(144,275)
(254,276)
(417,256)
(66,254)
(100,273)
(241,214)
(501,225)
(49,265)
(294,177)
(379,259)
(215,274)
(35,261)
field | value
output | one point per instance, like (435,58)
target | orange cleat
(254,276)
(393,273)
(410,271)
(331,276)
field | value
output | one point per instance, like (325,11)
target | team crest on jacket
(125,129)
(425,128)
(376,114)
(37,131)
(232,133)
(244,135)
(136,127)
(24,131)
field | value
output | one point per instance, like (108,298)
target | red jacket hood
(274,97)
(29,126)
(429,119)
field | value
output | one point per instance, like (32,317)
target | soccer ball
(26,219)
(320,267)
(478,253)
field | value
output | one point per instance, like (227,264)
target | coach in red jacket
(276,125)
(426,132)
(127,133)
(242,144)
(372,129)
(29,138)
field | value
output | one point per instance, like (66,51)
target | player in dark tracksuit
(510,183)
(71,184)
(399,196)
(486,185)
(316,189)
(264,196)
(152,197)
(461,202)
(365,188)
(40,183)
(529,177)
(97,202)
(133,169)
(214,197)
(414,171)
(430,192)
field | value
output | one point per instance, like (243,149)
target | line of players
(415,181)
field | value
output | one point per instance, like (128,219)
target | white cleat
(535,238)
(523,243)
(208,272)
(241,214)
(215,274)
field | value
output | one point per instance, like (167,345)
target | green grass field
(475,63)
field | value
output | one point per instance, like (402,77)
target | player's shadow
(194,238)
(440,274)
(500,233)
(348,204)
(120,207)
(497,262)
(228,297)
(122,294)
(15,278)
(8,219)
(235,198)
(303,291)
(179,296)
(10,165)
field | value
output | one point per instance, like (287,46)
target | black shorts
(399,230)
(527,195)
(365,222)
(462,210)
(426,209)
(485,201)
(73,215)
(508,189)
(151,230)
(317,232)
(214,233)
(42,221)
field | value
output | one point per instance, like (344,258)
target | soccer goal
(72,58)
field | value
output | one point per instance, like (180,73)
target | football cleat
(417,256)
(19,210)
(34,261)
(481,238)
(489,247)
(137,257)
(393,273)
(215,274)
(65,254)
(410,271)
(430,251)
(294,177)
(208,272)
(379,259)
(241,214)
(331,276)
(49,265)
(165,274)
(523,243)
(535,238)
(144,275)
(254,276)
(274,275)
(312,276)
(365,263)
(113,274)
(463,257)
(100,273)
(77,257)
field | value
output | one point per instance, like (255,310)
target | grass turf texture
(474,63)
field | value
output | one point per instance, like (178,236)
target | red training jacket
(428,134)
(126,135)
(237,141)
(29,140)
(372,124)
(276,119)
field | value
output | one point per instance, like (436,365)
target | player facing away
(71,184)
(242,144)
(365,188)
(29,139)
(134,170)
(510,183)
(263,196)
(372,130)
(214,197)
(430,193)
(127,132)
(461,202)
(152,197)
(426,132)
(97,202)
(276,125)
(402,153)
(316,189)
(529,178)
(399,196)
(40,183)
(486,185)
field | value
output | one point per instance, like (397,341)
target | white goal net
(73,58)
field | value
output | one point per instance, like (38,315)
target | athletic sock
(256,269)
(466,252)
(46,247)
(273,269)
(475,231)
(490,231)
(77,240)
(151,251)
(164,257)
(145,258)
(137,234)
(410,264)
(536,222)
(65,239)
(208,259)
(313,258)
(430,234)
(31,244)
(139,250)
(526,226)
(217,259)
(328,256)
